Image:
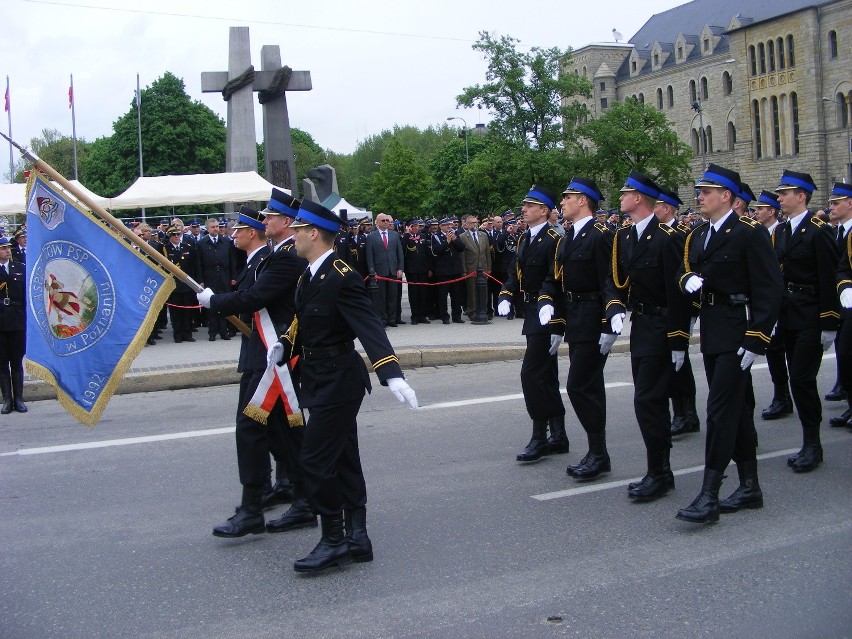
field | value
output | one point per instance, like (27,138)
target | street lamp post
(848,136)
(696,106)
(466,154)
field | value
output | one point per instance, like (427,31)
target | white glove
(677,359)
(555,341)
(204,297)
(748,358)
(846,298)
(545,314)
(617,323)
(403,392)
(692,321)
(504,308)
(274,354)
(606,341)
(693,283)
(827,339)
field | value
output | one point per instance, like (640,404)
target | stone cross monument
(237,85)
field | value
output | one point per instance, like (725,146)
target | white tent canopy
(13,197)
(180,190)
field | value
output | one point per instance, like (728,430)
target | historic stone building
(743,83)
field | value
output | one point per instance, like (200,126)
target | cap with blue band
(840,191)
(636,181)
(585,187)
(719,177)
(767,198)
(539,195)
(313,214)
(795,180)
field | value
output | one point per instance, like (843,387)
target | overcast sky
(373,63)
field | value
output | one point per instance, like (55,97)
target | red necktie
(385,238)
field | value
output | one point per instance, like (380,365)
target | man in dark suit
(810,313)
(840,202)
(731,262)
(13,324)
(333,309)
(578,280)
(383,251)
(182,299)
(214,256)
(539,370)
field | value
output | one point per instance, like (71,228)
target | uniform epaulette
(603,228)
(684,228)
(818,222)
(341,267)
(668,230)
(554,233)
(747,220)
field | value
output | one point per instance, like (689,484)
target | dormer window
(656,59)
(680,53)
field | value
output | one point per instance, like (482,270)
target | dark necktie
(789,228)
(303,283)
(569,234)
(709,237)
(634,237)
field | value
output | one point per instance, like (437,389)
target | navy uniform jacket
(13,287)
(738,261)
(445,255)
(333,309)
(186,258)
(844,274)
(416,251)
(504,251)
(19,254)
(646,275)
(533,260)
(809,259)
(582,268)
(695,299)
(216,264)
(269,281)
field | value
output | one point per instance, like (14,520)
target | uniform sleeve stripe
(761,336)
(385,360)
(829,314)
(678,334)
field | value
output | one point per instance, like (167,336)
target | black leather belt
(800,288)
(325,352)
(647,309)
(571,296)
(8,302)
(712,298)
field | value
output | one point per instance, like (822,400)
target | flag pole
(139,131)
(73,123)
(8,105)
(116,224)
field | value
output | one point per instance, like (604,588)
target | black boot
(836,394)
(842,419)
(298,515)
(810,457)
(572,468)
(355,524)
(782,403)
(332,549)
(247,519)
(655,483)
(6,388)
(596,461)
(557,443)
(537,447)
(748,493)
(280,493)
(18,391)
(704,508)
(686,417)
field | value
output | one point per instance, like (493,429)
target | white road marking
(593,488)
(501,398)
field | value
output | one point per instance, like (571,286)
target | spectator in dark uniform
(446,249)
(539,370)
(731,262)
(333,379)
(13,324)
(182,300)
(415,245)
(745,196)
(577,280)
(214,256)
(19,248)
(645,257)
(810,313)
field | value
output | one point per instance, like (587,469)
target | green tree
(525,93)
(401,184)
(632,136)
(58,151)
(179,136)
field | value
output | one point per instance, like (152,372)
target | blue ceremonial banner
(92,299)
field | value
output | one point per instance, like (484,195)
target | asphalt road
(111,538)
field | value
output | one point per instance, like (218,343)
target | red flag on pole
(70,96)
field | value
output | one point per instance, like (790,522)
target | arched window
(585,72)
(842,110)
(709,138)
(832,44)
(727,83)
(794,109)
(670,96)
(771,50)
(705,95)
(776,125)
(791,54)
(693,97)
(761,56)
(660,99)
(694,139)
(732,136)
(704,141)
(779,46)
(755,110)
(752,60)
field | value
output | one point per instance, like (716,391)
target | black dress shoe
(151,342)
(595,466)
(212,338)
(836,394)
(704,509)
(777,409)
(400,322)
(424,320)
(651,487)
(7,408)
(20,406)
(332,550)
(747,495)
(841,420)
(809,458)
(178,340)
(189,339)
(225,337)
(458,320)
(414,321)
(240,524)
(573,467)
(683,424)
(280,493)
(299,515)
(446,321)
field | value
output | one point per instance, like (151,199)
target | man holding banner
(268,416)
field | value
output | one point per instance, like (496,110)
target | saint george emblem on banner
(49,209)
